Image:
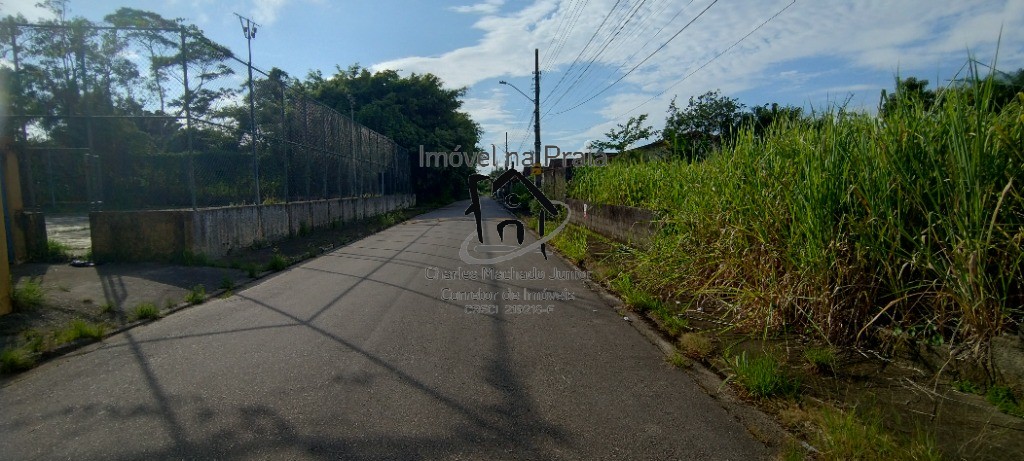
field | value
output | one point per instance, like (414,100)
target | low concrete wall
(140,235)
(167,234)
(29,236)
(622,223)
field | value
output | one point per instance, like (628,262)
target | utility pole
(536,131)
(536,110)
(249,30)
(536,137)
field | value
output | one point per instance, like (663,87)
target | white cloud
(811,49)
(486,7)
(26,8)
(265,11)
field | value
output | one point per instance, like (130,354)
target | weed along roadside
(861,284)
(59,308)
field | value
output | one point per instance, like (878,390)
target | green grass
(79,329)
(146,311)
(107,308)
(196,295)
(226,283)
(679,360)
(843,221)
(762,376)
(16,359)
(28,295)
(822,358)
(966,386)
(57,252)
(572,242)
(35,340)
(696,346)
(844,435)
(389,219)
(278,262)
(189,258)
(634,296)
(1003,399)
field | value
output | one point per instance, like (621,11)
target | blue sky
(814,53)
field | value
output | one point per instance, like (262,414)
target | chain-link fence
(141,118)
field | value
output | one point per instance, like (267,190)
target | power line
(585,47)
(573,17)
(688,24)
(639,26)
(611,38)
(702,66)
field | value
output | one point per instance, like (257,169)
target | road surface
(357,355)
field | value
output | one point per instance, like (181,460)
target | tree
(626,135)
(707,122)
(910,93)
(413,111)
(761,118)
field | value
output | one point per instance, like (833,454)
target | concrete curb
(759,424)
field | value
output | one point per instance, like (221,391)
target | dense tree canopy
(413,111)
(120,92)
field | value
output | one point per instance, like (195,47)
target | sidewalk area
(61,307)
(105,294)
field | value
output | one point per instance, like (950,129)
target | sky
(603,61)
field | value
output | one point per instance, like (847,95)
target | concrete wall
(622,223)
(29,233)
(167,234)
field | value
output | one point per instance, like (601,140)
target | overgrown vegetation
(57,252)
(839,222)
(196,295)
(278,262)
(762,376)
(1003,399)
(697,346)
(572,242)
(146,311)
(846,435)
(14,359)
(28,295)
(79,329)
(822,358)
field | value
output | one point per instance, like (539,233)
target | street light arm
(517,89)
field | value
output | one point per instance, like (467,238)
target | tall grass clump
(842,222)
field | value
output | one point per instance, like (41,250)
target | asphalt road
(356,355)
